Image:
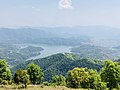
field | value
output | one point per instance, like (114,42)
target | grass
(38,87)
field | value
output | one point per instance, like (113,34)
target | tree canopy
(110,74)
(35,73)
(21,76)
(59,80)
(5,73)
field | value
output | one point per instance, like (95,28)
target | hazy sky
(15,13)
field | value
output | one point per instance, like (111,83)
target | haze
(36,13)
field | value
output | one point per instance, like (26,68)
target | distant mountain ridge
(91,31)
(37,36)
(22,34)
(78,31)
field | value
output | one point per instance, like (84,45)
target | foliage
(5,73)
(46,83)
(58,80)
(1,80)
(35,73)
(110,74)
(85,78)
(94,78)
(4,82)
(59,64)
(101,86)
(78,77)
(21,76)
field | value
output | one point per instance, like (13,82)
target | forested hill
(60,64)
(97,52)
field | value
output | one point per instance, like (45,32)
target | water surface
(48,50)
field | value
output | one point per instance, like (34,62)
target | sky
(52,13)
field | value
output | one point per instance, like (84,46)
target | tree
(110,73)
(78,77)
(58,80)
(85,78)
(35,73)
(95,80)
(21,76)
(5,73)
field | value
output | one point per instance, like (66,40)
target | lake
(48,50)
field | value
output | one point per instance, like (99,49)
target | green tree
(95,80)
(85,78)
(35,73)
(78,77)
(58,80)
(5,73)
(110,73)
(21,76)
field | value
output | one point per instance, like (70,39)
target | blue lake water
(48,50)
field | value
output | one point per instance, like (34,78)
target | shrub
(0,80)
(101,86)
(21,86)
(46,83)
(4,82)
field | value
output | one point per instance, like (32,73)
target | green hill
(60,64)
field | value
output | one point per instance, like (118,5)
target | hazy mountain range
(62,34)
(86,41)
(93,31)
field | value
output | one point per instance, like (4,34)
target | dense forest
(78,77)
(59,64)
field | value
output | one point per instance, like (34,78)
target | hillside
(97,52)
(60,64)
(14,54)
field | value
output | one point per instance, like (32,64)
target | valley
(60,45)
(56,53)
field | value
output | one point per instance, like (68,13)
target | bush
(58,80)
(0,80)
(21,86)
(101,86)
(46,83)
(53,84)
(10,82)
(4,82)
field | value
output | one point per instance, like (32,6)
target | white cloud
(65,4)
(35,8)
